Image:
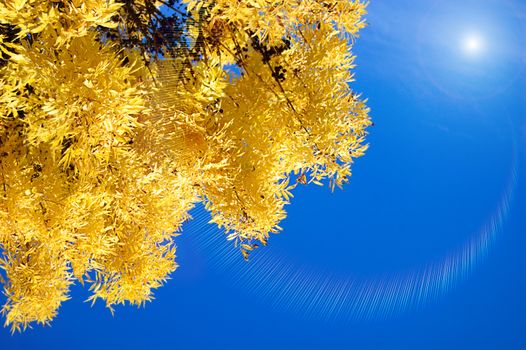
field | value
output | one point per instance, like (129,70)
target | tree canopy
(118,116)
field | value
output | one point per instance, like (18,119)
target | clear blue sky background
(446,82)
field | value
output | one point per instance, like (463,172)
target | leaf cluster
(118,116)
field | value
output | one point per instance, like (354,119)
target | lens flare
(322,294)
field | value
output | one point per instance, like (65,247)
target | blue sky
(423,249)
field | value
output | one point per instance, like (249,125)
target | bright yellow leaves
(103,154)
(70,19)
(291,111)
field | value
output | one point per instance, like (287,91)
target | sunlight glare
(473,44)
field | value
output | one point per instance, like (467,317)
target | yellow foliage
(103,154)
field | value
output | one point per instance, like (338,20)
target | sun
(473,44)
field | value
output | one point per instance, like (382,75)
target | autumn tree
(117,117)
